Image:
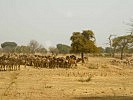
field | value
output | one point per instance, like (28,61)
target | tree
(122,42)
(63,48)
(131,25)
(9,46)
(41,49)
(101,50)
(107,49)
(33,45)
(0,51)
(23,49)
(53,50)
(83,43)
(112,51)
(130,50)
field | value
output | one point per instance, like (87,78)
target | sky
(53,21)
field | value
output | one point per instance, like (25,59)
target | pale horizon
(52,22)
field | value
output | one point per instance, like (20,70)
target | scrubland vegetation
(32,72)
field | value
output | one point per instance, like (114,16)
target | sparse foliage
(33,45)
(41,50)
(112,50)
(53,50)
(123,42)
(23,49)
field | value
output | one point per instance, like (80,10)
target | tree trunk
(113,55)
(82,57)
(122,53)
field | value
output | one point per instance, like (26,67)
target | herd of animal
(12,62)
(125,62)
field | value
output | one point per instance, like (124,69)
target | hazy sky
(53,21)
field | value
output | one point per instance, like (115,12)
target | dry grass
(45,84)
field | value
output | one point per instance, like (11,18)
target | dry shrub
(93,66)
(48,86)
(88,79)
(104,66)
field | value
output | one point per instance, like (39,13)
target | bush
(88,79)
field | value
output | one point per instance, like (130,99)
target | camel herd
(12,62)
(127,62)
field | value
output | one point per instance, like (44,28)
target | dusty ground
(91,81)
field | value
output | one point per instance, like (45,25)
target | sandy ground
(95,80)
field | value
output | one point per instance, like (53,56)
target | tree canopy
(33,45)
(123,42)
(63,48)
(9,46)
(101,50)
(83,42)
(53,50)
(22,49)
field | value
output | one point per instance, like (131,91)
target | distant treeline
(81,43)
(33,47)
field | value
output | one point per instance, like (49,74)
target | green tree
(63,48)
(130,50)
(9,46)
(123,42)
(83,43)
(23,49)
(101,50)
(107,50)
